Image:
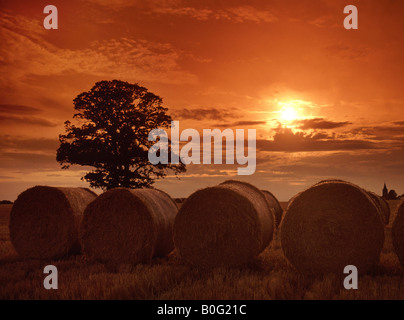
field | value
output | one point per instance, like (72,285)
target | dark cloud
(399,123)
(8,142)
(30,154)
(319,123)
(240,123)
(203,114)
(25,120)
(386,132)
(24,115)
(320,136)
(28,162)
(287,141)
(18,109)
(351,165)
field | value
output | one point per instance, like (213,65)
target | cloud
(32,155)
(323,21)
(32,28)
(384,132)
(18,109)
(237,14)
(11,120)
(27,145)
(288,141)
(203,114)
(124,4)
(28,162)
(198,14)
(17,114)
(319,123)
(114,4)
(348,165)
(320,136)
(348,52)
(240,124)
(120,58)
(248,13)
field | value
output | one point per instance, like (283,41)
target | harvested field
(269,276)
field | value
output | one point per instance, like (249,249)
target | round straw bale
(382,205)
(44,221)
(275,205)
(330,180)
(379,202)
(397,233)
(128,226)
(226,225)
(332,225)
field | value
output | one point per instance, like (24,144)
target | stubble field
(269,276)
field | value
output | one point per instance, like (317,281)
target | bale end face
(331,225)
(274,204)
(397,233)
(222,226)
(382,205)
(128,226)
(44,221)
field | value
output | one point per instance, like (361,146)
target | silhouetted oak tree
(116,118)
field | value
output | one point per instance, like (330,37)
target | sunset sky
(326,101)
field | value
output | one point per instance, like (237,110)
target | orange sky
(326,102)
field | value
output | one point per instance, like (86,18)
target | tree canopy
(115,118)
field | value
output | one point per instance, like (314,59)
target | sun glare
(288,114)
(290,111)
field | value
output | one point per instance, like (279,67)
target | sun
(288,114)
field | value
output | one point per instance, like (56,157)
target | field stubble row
(269,276)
